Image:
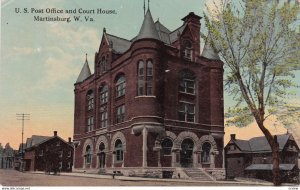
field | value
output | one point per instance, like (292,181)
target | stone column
(223,163)
(158,158)
(195,159)
(212,159)
(113,160)
(145,134)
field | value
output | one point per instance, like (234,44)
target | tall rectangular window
(120,86)
(186,112)
(103,119)
(104,94)
(145,78)
(90,100)
(120,114)
(90,124)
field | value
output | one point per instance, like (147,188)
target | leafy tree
(259,44)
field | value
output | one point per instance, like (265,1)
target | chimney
(55,133)
(69,140)
(232,136)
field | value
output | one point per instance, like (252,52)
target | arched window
(145,77)
(88,155)
(119,150)
(167,145)
(205,155)
(103,94)
(187,82)
(187,47)
(90,100)
(120,86)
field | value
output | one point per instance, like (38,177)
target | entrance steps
(198,174)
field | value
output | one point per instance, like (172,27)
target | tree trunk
(275,152)
(276,162)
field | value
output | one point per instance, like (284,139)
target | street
(16,178)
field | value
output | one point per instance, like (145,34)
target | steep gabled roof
(261,143)
(243,145)
(148,29)
(174,34)
(34,140)
(163,32)
(208,51)
(119,45)
(84,73)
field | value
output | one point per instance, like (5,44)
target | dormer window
(103,65)
(187,49)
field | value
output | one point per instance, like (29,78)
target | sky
(40,61)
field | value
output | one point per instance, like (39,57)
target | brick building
(52,154)
(253,158)
(153,103)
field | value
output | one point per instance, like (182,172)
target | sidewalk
(125,178)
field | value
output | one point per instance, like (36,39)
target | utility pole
(22,117)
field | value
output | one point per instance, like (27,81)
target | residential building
(253,158)
(49,154)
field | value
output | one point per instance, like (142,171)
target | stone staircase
(198,174)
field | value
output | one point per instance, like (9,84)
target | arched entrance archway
(186,153)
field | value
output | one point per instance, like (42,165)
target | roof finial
(86,57)
(148,5)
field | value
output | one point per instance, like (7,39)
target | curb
(124,178)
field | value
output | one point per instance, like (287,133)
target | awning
(286,167)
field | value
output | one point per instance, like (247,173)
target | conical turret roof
(208,51)
(84,73)
(148,29)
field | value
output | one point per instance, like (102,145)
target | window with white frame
(145,78)
(120,86)
(186,112)
(104,94)
(90,124)
(187,82)
(187,48)
(120,114)
(103,117)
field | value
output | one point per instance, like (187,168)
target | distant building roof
(35,139)
(270,167)
(260,144)
(84,73)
